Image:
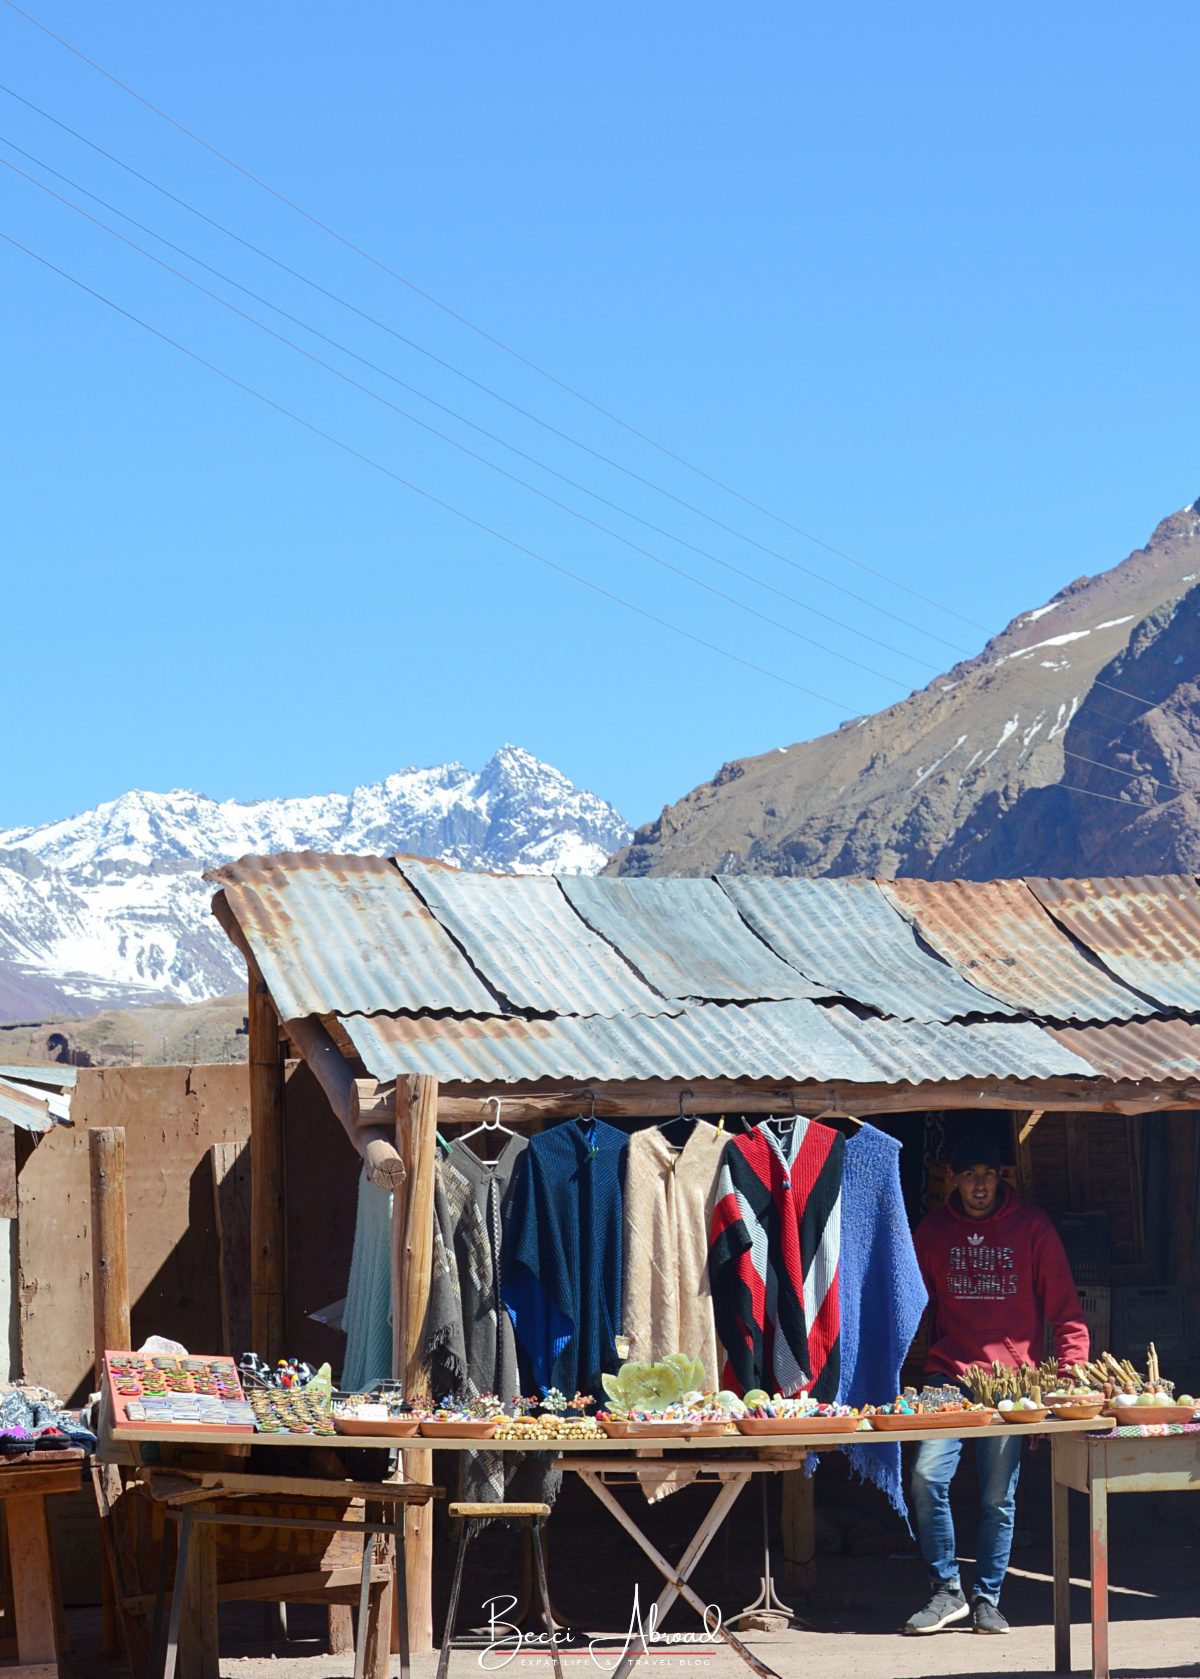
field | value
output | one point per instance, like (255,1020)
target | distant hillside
(1023,760)
(179,1035)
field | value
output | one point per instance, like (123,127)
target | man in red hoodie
(996,1273)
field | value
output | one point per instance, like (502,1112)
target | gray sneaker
(946,1606)
(985,1617)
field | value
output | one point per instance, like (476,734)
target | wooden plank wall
(172,1118)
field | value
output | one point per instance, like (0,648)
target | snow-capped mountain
(108,908)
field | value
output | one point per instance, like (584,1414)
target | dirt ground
(847,1630)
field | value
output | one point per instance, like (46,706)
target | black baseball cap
(975,1151)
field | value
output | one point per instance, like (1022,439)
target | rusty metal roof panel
(346,935)
(1145,929)
(520,932)
(845,935)
(792,1042)
(25,1108)
(686,939)
(997,935)
(1144,1051)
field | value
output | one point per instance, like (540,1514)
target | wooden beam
(376,1142)
(110,1256)
(268,1226)
(654,1099)
(412,1265)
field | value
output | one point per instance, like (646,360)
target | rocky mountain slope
(108,908)
(1069,745)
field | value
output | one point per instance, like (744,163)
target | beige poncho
(669,1195)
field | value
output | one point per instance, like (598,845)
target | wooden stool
(535,1515)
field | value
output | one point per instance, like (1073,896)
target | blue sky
(921,281)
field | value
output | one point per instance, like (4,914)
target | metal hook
(591,1096)
(682,1094)
(791,1096)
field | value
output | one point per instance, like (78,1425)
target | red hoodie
(993,1285)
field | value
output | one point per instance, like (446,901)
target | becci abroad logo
(507,1642)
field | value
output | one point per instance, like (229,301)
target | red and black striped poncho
(774,1246)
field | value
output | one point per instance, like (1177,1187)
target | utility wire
(427,495)
(525,413)
(444,437)
(403,384)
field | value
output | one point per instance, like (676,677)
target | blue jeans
(999,1465)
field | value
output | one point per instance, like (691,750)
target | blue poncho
(562,1255)
(882,1294)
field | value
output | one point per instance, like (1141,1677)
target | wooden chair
(521,1514)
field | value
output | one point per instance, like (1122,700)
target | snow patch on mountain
(108,907)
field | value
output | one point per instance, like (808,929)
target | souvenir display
(280,1412)
(159,1391)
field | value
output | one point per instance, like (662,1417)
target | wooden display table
(25,1484)
(1096,1466)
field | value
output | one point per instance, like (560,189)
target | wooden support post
(268,1258)
(110,1259)
(412,1262)
(110,1293)
(1023,1129)
(231,1206)
(1183,1145)
(800,1531)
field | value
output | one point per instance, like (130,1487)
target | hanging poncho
(773,1259)
(669,1196)
(882,1294)
(562,1255)
(470,1335)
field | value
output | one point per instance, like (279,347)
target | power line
(489,337)
(493,437)
(427,495)
(356,384)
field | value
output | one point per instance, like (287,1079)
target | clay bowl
(1016,1418)
(1149,1413)
(434,1430)
(797,1425)
(932,1419)
(701,1430)
(393,1428)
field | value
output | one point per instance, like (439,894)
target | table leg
(181,1559)
(1098,1503)
(33,1595)
(402,1586)
(364,1602)
(676,1577)
(1060,1516)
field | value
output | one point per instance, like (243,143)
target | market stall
(421,998)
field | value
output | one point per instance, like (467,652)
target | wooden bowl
(798,1425)
(667,1429)
(435,1430)
(615,1428)
(394,1428)
(705,1430)
(1080,1411)
(1038,1414)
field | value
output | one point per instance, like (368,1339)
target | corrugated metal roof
(792,1042)
(686,938)
(22,1107)
(1140,1050)
(53,1074)
(927,1052)
(844,934)
(998,936)
(523,935)
(1146,929)
(346,934)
